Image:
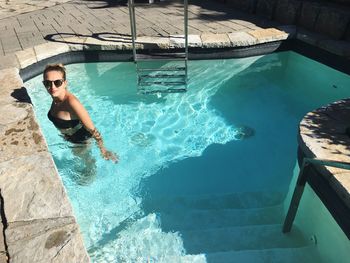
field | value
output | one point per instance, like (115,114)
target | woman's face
(55,76)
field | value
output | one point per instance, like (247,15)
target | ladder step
(163,83)
(146,3)
(168,90)
(162,69)
(170,76)
(162,56)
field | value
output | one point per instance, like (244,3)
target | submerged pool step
(306,254)
(181,259)
(241,238)
(216,201)
(195,219)
(275,255)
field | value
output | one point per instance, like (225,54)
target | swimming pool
(225,149)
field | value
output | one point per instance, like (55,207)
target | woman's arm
(84,117)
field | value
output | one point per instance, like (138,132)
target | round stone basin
(324,135)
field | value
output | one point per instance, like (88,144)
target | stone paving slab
(10,8)
(215,40)
(42,241)
(267,35)
(24,134)
(39,201)
(179,41)
(3,258)
(10,82)
(242,39)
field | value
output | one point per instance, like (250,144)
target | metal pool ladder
(164,71)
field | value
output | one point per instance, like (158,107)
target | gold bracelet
(96,134)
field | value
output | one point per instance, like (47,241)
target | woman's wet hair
(55,67)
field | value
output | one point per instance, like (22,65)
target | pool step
(214,201)
(275,255)
(196,219)
(255,243)
(241,238)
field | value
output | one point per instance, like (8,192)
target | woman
(68,114)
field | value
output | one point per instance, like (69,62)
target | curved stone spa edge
(323,135)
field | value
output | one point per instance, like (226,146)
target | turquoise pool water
(233,132)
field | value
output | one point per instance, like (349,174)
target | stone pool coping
(322,135)
(37,216)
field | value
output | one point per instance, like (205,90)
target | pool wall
(326,17)
(38,221)
(319,225)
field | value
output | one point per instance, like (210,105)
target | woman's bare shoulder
(72,99)
(75,104)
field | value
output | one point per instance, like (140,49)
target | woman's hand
(108,155)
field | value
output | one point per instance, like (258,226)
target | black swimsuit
(80,136)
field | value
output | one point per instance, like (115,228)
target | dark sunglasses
(48,83)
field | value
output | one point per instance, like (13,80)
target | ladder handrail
(131,4)
(327,162)
(133,26)
(186,33)
(299,187)
(136,59)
